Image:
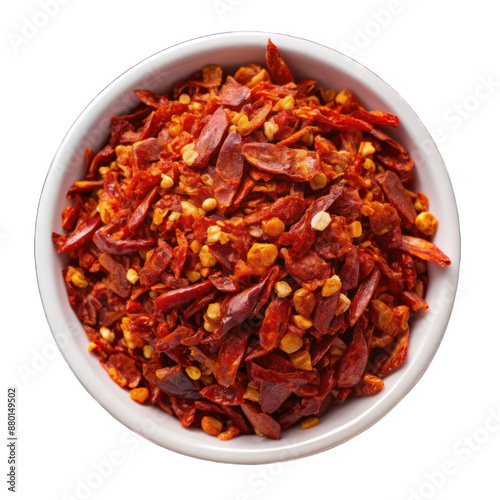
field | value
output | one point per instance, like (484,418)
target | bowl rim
(289,449)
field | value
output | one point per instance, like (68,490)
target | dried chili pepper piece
(83,233)
(108,244)
(297,164)
(288,209)
(424,250)
(230,356)
(156,262)
(175,298)
(363,295)
(398,196)
(123,370)
(277,67)
(352,365)
(233,93)
(241,306)
(228,171)
(262,422)
(210,137)
(172,380)
(230,396)
(275,323)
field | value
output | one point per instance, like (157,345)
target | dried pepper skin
(297,164)
(210,137)
(230,356)
(248,249)
(353,363)
(228,170)
(277,66)
(424,250)
(83,233)
(175,298)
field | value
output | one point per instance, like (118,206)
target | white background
(442,440)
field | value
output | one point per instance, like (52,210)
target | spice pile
(247,251)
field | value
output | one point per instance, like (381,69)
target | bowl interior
(159,73)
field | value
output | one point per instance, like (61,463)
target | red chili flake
(199,270)
(123,370)
(210,137)
(277,67)
(297,164)
(228,171)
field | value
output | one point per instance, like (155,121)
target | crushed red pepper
(247,252)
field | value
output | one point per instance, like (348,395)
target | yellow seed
(193,276)
(173,216)
(214,311)
(270,129)
(205,271)
(302,321)
(242,123)
(78,279)
(174,129)
(366,148)
(166,181)
(189,156)
(332,285)
(426,223)
(207,179)
(195,246)
(147,351)
(342,305)
(107,334)
(366,210)
(320,221)
(211,425)
(291,342)
(287,103)
(213,233)
(342,97)
(139,394)
(355,229)
(301,360)
(261,257)
(304,301)
(91,346)
(251,394)
(273,227)
(195,106)
(103,170)
(369,165)
(282,289)
(209,204)
(184,99)
(309,422)
(318,182)
(210,326)
(206,257)
(189,209)
(158,215)
(193,372)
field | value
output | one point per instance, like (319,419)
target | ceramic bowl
(159,73)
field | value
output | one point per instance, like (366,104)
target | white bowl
(159,73)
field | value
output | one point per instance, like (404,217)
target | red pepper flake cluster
(247,251)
